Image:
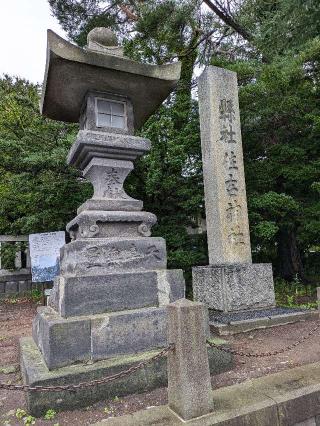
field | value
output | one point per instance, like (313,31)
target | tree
(278,73)
(278,104)
(280,120)
(38,191)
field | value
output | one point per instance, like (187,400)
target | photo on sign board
(45,255)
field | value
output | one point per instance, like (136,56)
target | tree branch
(130,15)
(227,19)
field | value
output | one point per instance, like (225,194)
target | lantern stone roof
(72,71)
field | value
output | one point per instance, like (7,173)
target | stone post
(18,260)
(28,258)
(230,282)
(223,171)
(189,386)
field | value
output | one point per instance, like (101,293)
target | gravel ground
(16,319)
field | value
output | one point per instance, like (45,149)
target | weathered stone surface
(66,341)
(104,40)
(24,286)
(107,177)
(299,406)
(12,287)
(104,256)
(90,144)
(171,286)
(85,295)
(21,275)
(128,332)
(102,204)
(35,372)
(106,160)
(230,282)
(101,294)
(223,172)
(309,422)
(234,287)
(113,284)
(61,342)
(112,224)
(189,386)
(234,327)
(72,71)
(272,400)
(153,375)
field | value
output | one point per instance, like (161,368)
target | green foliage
(295,294)
(280,26)
(279,91)
(8,253)
(280,114)
(50,414)
(38,191)
(20,413)
(171,176)
(36,295)
(280,127)
(29,420)
(107,410)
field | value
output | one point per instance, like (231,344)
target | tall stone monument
(109,301)
(231,282)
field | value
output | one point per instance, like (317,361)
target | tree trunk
(290,264)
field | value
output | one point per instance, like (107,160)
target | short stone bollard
(189,385)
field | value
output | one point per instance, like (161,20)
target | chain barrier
(142,364)
(266,354)
(80,385)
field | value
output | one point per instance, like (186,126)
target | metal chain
(142,364)
(107,379)
(265,354)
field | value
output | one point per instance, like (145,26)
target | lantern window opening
(111,113)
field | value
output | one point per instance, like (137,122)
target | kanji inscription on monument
(230,282)
(223,171)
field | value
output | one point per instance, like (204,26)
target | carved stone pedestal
(231,288)
(109,298)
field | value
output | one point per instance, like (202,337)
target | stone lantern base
(154,375)
(107,309)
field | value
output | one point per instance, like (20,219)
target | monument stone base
(154,375)
(95,337)
(230,288)
(225,324)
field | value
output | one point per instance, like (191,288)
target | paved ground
(16,319)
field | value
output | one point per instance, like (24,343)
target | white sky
(23,37)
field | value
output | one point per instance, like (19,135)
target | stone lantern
(107,308)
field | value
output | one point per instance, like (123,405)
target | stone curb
(287,398)
(235,327)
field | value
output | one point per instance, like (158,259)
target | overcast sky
(23,37)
